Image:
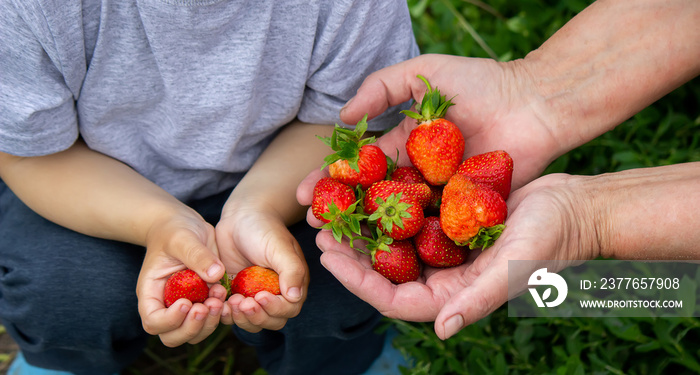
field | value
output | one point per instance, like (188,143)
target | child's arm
(253,226)
(96,195)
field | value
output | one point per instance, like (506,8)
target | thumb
(305,190)
(486,294)
(291,267)
(201,257)
(385,88)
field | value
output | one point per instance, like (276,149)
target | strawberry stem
(486,237)
(347,143)
(433,105)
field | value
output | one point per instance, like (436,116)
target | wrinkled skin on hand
(456,297)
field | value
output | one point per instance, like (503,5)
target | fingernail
(184,308)
(294,292)
(214,311)
(214,270)
(199,316)
(453,325)
(346,105)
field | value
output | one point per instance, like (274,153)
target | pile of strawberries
(433,212)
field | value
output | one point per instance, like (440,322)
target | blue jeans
(69,302)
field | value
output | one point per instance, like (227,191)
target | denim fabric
(69,301)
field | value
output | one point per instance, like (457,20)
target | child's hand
(183,240)
(252,233)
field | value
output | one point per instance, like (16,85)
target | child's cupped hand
(252,233)
(180,240)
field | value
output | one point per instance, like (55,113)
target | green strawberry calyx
(485,238)
(391,212)
(433,105)
(343,223)
(378,242)
(226,282)
(347,143)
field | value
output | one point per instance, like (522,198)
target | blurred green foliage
(667,132)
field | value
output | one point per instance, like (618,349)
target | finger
(386,87)
(250,316)
(211,320)
(483,296)
(305,190)
(275,306)
(412,301)
(190,328)
(291,267)
(157,319)
(312,220)
(198,256)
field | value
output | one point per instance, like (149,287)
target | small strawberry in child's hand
(493,169)
(185,284)
(251,280)
(355,159)
(471,213)
(435,248)
(436,145)
(395,260)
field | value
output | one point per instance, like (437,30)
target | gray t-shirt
(186,92)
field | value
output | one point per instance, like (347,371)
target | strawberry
(436,145)
(471,213)
(355,160)
(335,204)
(409,174)
(493,169)
(328,193)
(396,260)
(382,189)
(251,280)
(435,248)
(399,216)
(185,284)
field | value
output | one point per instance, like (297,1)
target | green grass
(666,132)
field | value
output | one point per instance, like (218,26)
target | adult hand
(495,108)
(548,221)
(250,234)
(182,240)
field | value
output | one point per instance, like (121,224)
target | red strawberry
(471,213)
(335,204)
(409,174)
(330,192)
(493,169)
(185,284)
(397,261)
(356,160)
(436,145)
(382,189)
(399,216)
(435,248)
(251,280)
